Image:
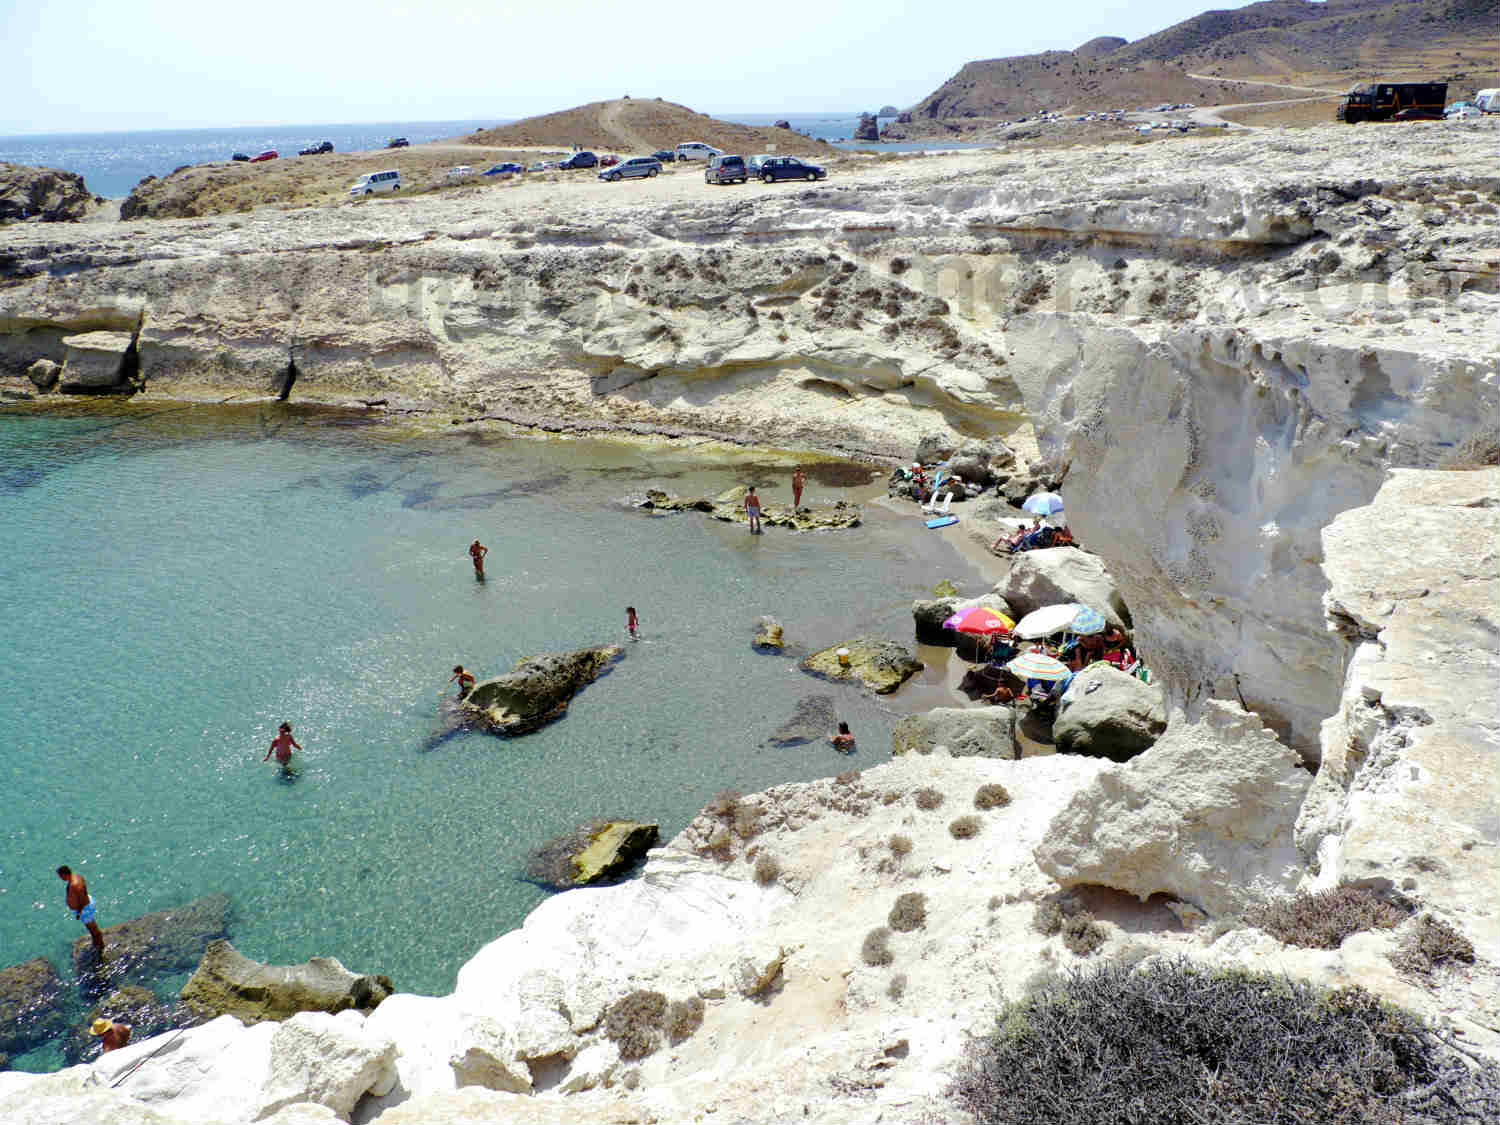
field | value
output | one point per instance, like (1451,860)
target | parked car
(609,160)
(316,150)
(508,168)
(665,155)
(1417,113)
(269,154)
(372,182)
(460,172)
(240,156)
(542,166)
(636,167)
(775,168)
(397,142)
(583,159)
(697,150)
(725,170)
(753,164)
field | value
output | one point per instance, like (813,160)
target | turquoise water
(179,581)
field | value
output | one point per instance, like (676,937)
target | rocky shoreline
(1268,382)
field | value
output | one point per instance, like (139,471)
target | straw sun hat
(99,1027)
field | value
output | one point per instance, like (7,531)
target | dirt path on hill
(609,119)
(1273,85)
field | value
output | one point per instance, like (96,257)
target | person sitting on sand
(465,680)
(842,740)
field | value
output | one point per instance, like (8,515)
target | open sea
(113,163)
(180,579)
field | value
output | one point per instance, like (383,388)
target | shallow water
(179,581)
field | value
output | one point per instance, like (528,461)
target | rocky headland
(1265,370)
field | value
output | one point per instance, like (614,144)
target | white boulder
(1108,714)
(328,1059)
(1057,575)
(486,1056)
(1205,815)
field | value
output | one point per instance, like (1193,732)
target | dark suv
(789,168)
(579,160)
(725,170)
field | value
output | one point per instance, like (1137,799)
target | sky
(100,65)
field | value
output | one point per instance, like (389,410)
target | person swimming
(843,740)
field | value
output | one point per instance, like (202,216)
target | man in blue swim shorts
(81,905)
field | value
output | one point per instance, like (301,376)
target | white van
(371,182)
(696,150)
(1488,100)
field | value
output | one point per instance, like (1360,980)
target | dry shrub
(1082,935)
(1048,917)
(747,821)
(849,777)
(897,986)
(1325,919)
(900,846)
(996,902)
(683,1018)
(909,913)
(965,826)
(1477,451)
(890,797)
(634,1022)
(1175,1043)
(899,266)
(877,947)
(991,796)
(720,845)
(929,798)
(767,869)
(1431,944)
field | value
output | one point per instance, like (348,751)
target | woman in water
(281,746)
(843,740)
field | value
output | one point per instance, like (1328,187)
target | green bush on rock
(1323,920)
(1177,1043)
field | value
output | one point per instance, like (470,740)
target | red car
(269,154)
(609,160)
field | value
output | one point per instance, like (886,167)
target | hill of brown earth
(1216,58)
(637,125)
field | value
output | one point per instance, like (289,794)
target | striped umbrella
(1038,666)
(979,619)
(1088,622)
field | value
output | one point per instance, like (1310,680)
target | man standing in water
(798,480)
(752,509)
(81,904)
(477,551)
(282,745)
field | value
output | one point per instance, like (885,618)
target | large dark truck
(1383,101)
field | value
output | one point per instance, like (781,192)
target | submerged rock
(812,721)
(145,1012)
(591,853)
(881,665)
(979,732)
(31,1010)
(1108,714)
(728,506)
(537,690)
(227,982)
(159,943)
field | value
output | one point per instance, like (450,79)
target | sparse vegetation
(1082,935)
(909,913)
(900,846)
(683,1018)
(991,796)
(965,827)
(877,947)
(1477,451)
(1325,919)
(1176,1043)
(897,986)
(928,798)
(1430,945)
(634,1023)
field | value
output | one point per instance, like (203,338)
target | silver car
(637,167)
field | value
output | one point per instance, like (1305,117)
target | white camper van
(371,182)
(1488,100)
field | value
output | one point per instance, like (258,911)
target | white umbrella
(1043,504)
(1046,621)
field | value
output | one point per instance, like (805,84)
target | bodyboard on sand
(942,521)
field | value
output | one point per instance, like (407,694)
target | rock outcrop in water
(155,944)
(879,664)
(226,982)
(538,690)
(31,1009)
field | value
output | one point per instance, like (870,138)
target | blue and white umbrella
(1043,504)
(1088,622)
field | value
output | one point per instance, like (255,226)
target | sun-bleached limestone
(1205,815)
(330,1059)
(1406,795)
(1059,575)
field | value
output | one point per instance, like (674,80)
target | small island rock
(228,982)
(881,665)
(538,690)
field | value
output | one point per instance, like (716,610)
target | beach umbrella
(979,619)
(1088,622)
(1038,666)
(1043,504)
(1046,621)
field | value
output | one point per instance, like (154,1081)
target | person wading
(477,551)
(81,904)
(799,481)
(752,509)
